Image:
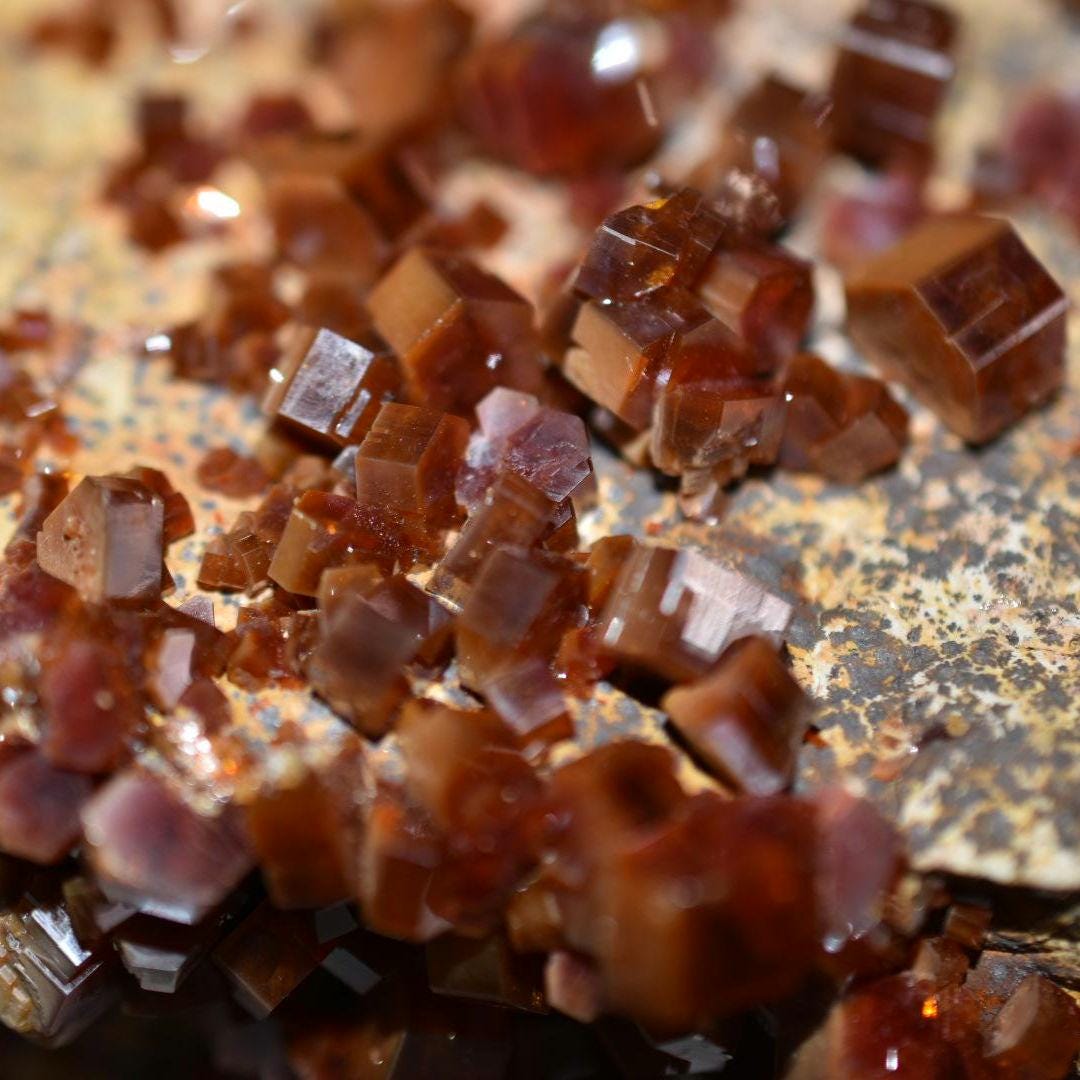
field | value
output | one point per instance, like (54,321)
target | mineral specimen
(894,67)
(458,330)
(963,313)
(745,720)
(839,424)
(106,539)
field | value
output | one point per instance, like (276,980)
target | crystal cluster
(411,556)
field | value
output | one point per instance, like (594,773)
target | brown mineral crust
(409,461)
(674,611)
(226,472)
(963,313)
(777,132)
(513,513)
(642,249)
(337,386)
(464,771)
(53,987)
(1037,1033)
(458,330)
(89,707)
(762,293)
(716,410)
(106,539)
(268,956)
(400,854)
(304,827)
(39,807)
(151,849)
(842,425)
(745,720)
(485,969)
(623,349)
(893,69)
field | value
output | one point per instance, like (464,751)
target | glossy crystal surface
(964,314)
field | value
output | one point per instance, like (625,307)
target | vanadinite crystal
(674,611)
(106,539)
(570,93)
(151,849)
(458,330)
(963,313)
(842,425)
(745,720)
(336,386)
(895,64)
(779,133)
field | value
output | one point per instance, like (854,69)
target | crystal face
(458,330)
(963,313)
(39,807)
(839,424)
(337,388)
(778,133)
(745,720)
(674,611)
(106,539)
(894,67)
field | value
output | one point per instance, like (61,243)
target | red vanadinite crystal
(963,313)
(458,330)
(895,64)
(839,424)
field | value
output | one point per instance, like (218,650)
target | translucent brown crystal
(151,849)
(894,67)
(458,330)
(223,470)
(487,970)
(967,924)
(963,313)
(762,293)
(304,828)
(52,988)
(513,513)
(268,956)
(106,539)
(89,707)
(779,133)
(842,425)
(1037,1032)
(674,611)
(641,249)
(546,447)
(319,227)
(337,386)
(745,720)
(39,807)
(400,855)
(409,461)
